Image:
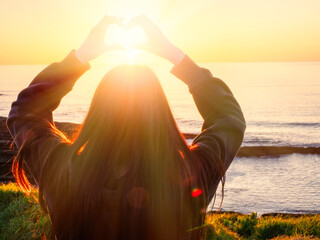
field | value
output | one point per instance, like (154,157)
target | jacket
(220,139)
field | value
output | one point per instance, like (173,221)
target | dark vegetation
(22,218)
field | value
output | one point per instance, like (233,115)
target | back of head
(133,177)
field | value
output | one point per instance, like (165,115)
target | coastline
(7,151)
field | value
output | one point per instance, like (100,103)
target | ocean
(281,104)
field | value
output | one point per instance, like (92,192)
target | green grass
(238,226)
(22,218)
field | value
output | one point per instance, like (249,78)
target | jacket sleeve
(223,127)
(30,116)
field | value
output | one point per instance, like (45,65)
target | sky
(43,31)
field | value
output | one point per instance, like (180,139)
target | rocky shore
(8,150)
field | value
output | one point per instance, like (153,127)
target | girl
(129,173)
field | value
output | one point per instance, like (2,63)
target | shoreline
(7,153)
(271,214)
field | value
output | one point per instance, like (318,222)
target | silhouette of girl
(128,173)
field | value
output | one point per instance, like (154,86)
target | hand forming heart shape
(124,35)
(140,32)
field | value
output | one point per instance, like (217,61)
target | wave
(283,139)
(271,150)
(283,124)
(245,151)
(261,141)
(303,124)
(275,151)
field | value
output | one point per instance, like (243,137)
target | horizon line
(156,62)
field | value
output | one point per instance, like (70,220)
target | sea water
(281,104)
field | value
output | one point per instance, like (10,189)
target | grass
(22,218)
(239,226)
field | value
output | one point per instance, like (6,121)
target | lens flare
(196,192)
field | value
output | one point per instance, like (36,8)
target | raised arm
(36,103)
(30,119)
(224,124)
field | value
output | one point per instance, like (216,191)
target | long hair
(131,174)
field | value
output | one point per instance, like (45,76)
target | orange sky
(41,31)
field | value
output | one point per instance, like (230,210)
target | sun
(131,55)
(124,36)
(127,38)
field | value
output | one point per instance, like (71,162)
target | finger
(140,20)
(146,24)
(120,21)
(103,22)
(116,20)
(100,29)
(106,21)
